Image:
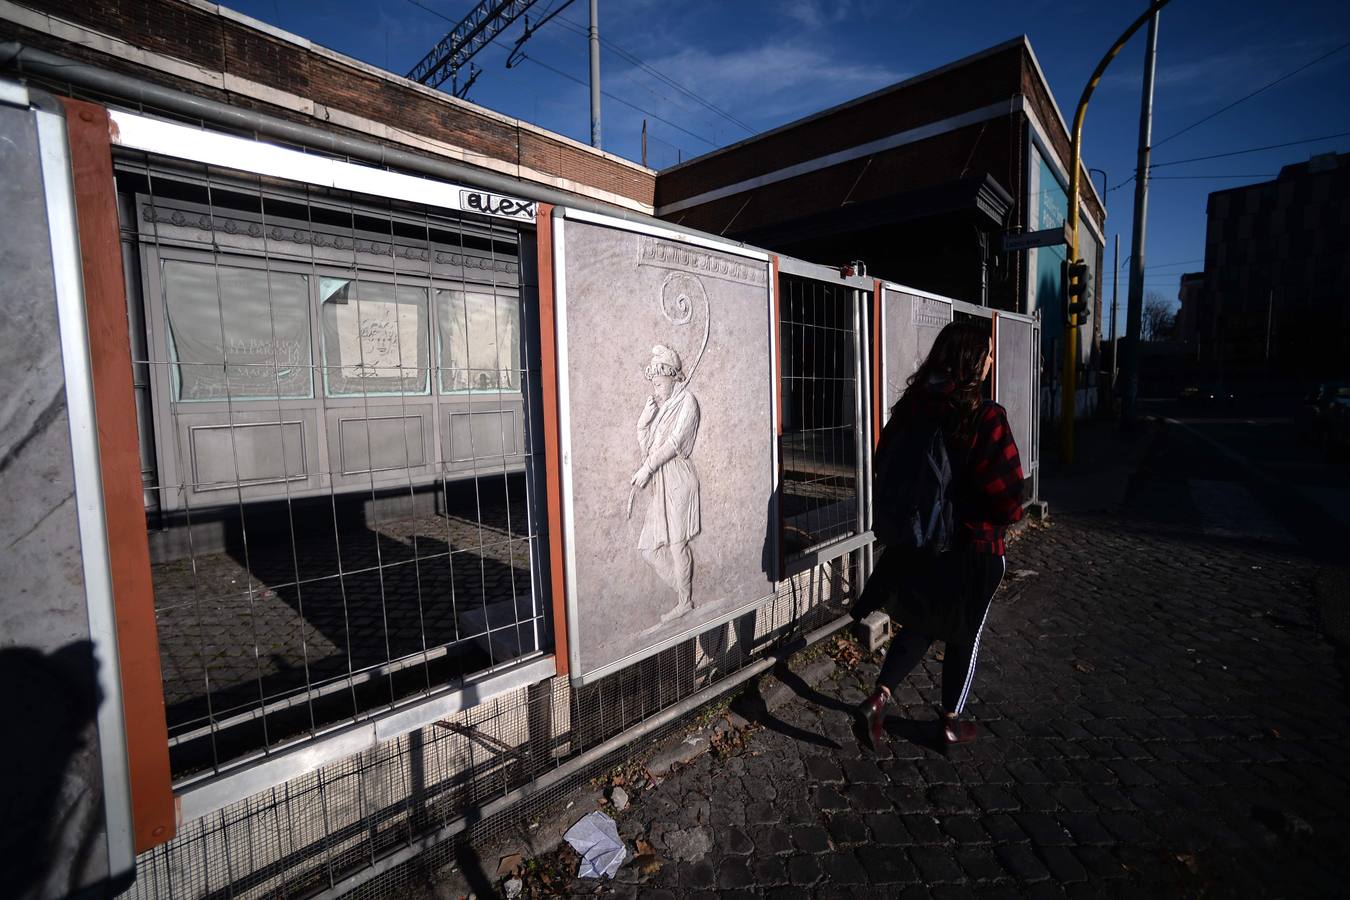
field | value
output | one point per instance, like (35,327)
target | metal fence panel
(1015,385)
(821,347)
(910,322)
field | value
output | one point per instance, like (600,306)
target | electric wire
(1177,162)
(1246,97)
(641,64)
(579,81)
(617,99)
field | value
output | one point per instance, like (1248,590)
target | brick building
(1276,288)
(919,180)
(214,52)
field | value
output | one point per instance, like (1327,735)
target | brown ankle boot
(956,731)
(874,712)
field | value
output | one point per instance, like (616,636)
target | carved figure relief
(377,338)
(667,431)
(668,449)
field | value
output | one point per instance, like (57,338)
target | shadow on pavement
(472,868)
(919,733)
(751,706)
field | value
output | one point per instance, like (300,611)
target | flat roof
(857,101)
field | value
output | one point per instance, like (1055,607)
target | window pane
(375,337)
(480,340)
(261,349)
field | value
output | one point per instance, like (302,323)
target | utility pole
(595,74)
(1134,308)
(1069,374)
(1115,348)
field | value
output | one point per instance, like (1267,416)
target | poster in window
(669,444)
(375,337)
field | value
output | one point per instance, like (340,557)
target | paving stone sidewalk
(1160,716)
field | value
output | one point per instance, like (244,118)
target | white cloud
(763,86)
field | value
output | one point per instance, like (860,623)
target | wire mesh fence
(342,820)
(335,398)
(820,351)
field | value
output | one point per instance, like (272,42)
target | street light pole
(1105,182)
(1069,374)
(1134,306)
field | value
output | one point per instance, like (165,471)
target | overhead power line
(1177,162)
(498,45)
(1215,177)
(1265,87)
(634,106)
(657,74)
(1172,265)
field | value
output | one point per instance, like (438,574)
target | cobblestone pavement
(1160,716)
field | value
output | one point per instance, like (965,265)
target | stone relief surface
(670,393)
(912,323)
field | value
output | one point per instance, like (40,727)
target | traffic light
(1076,290)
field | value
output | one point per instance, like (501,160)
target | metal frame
(137,132)
(245,776)
(560,218)
(1030,448)
(210,793)
(860,291)
(77,364)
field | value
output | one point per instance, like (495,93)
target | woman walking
(946,595)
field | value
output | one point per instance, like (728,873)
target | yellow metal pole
(1069,369)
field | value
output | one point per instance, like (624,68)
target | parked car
(1311,417)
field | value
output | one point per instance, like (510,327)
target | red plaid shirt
(990,496)
(988,483)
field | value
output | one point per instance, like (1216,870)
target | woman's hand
(641,476)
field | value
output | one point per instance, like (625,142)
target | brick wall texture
(218,44)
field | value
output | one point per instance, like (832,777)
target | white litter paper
(596,838)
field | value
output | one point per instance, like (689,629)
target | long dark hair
(958,357)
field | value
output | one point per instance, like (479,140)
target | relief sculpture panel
(669,391)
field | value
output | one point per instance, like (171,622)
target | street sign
(1047,238)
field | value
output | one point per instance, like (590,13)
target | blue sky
(763,64)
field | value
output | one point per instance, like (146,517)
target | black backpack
(912,487)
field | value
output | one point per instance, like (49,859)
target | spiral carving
(680,293)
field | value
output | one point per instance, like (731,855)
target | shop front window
(479,340)
(375,338)
(237,333)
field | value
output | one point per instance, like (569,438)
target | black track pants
(963,646)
